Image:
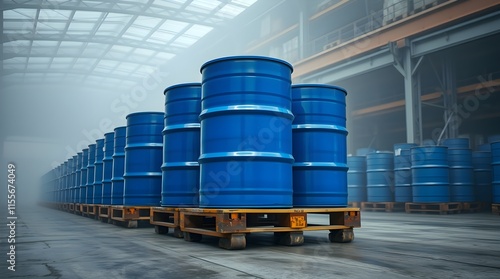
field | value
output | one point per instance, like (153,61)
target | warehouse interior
(415,71)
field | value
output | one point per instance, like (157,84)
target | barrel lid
(188,84)
(145,112)
(319,85)
(120,128)
(109,134)
(246,57)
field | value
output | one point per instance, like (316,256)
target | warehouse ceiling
(112,44)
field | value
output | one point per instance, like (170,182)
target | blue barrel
(493,138)
(364,151)
(495,165)
(98,171)
(461,175)
(356,178)
(246,133)
(107,167)
(181,146)
(380,176)
(117,181)
(78,177)
(84,176)
(484,147)
(457,143)
(430,174)
(67,180)
(319,138)
(143,159)
(481,162)
(73,179)
(90,174)
(402,175)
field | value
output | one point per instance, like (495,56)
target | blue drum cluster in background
(245,137)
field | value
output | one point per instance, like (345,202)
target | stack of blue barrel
(356,178)
(461,170)
(380,176)
(242,138)
(402,172)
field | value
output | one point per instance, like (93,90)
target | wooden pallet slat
(471,207)
(495,209)
(288,225)
(129,215)
(383,206)
(439,208)
(165,218)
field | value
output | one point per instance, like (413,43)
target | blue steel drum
(430,178)
(484,147)
(457,143)
(67,168)
(481,163)
(495,165)
(364,151)
(181,146)
(380,176)
(117,181)
(84,176)
(461,175)
(98,171)
(493,138)
(90,174)
(356,178)
(73,179)
(246,133)
(107,167)
(402,175)
(319,138)
(143,159)
(78,178)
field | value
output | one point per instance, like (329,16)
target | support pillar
(408,68)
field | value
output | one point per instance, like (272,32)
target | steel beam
(457,34)
(135,8)
(358,66)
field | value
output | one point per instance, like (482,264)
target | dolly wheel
(192,237)
(132,224)
(233,242)
(342,236)
(161,229)
(289,238)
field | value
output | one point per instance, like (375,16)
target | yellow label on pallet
(297,221)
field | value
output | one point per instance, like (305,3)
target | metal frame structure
(103,43)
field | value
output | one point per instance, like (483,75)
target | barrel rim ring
(187,84)
(319,85)
(144,112)
(245,57)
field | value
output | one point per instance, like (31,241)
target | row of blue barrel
(242,138)
(450,172)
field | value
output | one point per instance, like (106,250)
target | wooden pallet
(103,213)
(78,209)
(439,208)
(288,225)
(471,207)
(129,216)
(89,210)
(71,207)
(495,209)
(164,218)
(383,206)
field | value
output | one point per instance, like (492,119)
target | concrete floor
(55,244)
